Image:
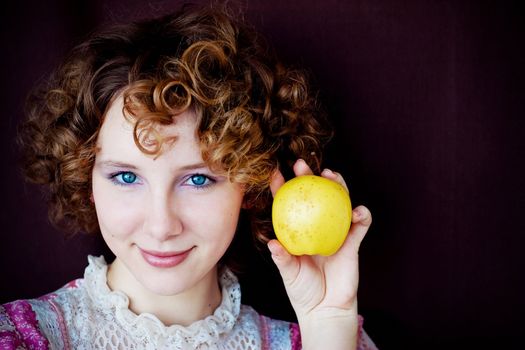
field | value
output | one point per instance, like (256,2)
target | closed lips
(164,254)
(165,259)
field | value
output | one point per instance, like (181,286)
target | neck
(183,308)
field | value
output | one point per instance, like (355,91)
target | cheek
(221,216)
(117,214)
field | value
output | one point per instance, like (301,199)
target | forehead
(117,135)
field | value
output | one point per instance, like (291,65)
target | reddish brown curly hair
(255,115)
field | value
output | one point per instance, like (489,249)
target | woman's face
(167,219)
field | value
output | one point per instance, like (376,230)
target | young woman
(158,134)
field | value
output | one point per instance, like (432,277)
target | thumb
(287,264)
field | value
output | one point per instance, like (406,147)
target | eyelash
(209,181)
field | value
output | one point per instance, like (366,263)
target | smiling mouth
(164,259)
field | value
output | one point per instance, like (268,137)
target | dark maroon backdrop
(428,101)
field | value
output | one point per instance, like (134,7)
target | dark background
(428,101)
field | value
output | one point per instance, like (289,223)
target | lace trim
(148,326)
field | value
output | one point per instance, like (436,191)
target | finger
(276,181)
(301,168)
(362,215)
(361,221)
(287,264)
(334,176)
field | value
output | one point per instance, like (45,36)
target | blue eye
(129,178)
(125,178)
(199,180)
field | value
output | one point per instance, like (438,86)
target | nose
(162,221)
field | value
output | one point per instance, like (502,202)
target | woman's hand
(323,289)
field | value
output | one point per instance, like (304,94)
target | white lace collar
(147,326)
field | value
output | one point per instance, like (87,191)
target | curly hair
(255,115)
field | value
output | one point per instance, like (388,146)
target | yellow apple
(311,215)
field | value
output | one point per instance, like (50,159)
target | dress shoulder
(19,327)
(364,342)
(283,335)
(34,323)
(272,334)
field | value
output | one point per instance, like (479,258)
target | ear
(91,198)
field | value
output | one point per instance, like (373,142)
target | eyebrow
(114,164)
(194,166)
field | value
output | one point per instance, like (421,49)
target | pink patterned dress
(86,314)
